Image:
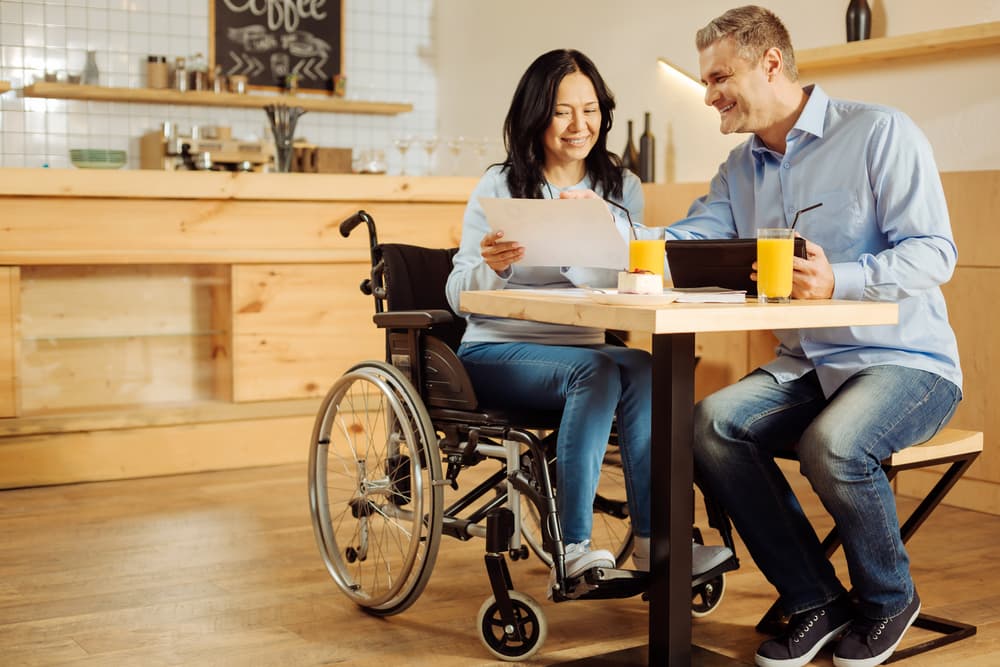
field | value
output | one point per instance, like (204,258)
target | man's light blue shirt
(883,225)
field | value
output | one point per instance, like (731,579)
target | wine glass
(480,147)
(430,145)
(403,144)
(455,148)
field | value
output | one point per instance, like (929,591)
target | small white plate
(613,298)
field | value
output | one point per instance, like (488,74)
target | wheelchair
(391,436)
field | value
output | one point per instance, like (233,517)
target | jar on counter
(157,72)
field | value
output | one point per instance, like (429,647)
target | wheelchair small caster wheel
(500,639)
(706,597)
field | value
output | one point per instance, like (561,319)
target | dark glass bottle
(630,156)
(859,20)
(647,154)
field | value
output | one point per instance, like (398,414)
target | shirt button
(791,209)
(786,165)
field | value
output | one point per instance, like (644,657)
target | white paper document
(559,232)
(709,295)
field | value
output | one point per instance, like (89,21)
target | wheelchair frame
(391,505)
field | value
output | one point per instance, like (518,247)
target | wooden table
(673,328)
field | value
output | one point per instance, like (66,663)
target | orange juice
(646,255)
(774,265)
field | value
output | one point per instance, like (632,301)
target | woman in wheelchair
(555,134)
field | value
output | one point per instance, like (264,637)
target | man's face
(739,90)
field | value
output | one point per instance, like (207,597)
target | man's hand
(499,255)
(812,278)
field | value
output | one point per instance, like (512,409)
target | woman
(556,134)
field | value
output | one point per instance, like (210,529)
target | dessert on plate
(639,282)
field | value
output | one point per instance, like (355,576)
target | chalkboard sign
(267,40)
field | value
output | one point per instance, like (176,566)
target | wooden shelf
(69,91)
(933,42)
(4,86)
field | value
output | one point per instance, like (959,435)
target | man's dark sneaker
(870,642)
(808,632)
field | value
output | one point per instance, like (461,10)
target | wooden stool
(953,446)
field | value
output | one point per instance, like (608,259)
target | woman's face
(575,124)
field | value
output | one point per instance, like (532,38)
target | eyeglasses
(631,225)
(803,210)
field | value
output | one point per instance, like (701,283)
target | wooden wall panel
(669,202)
(118,335)
(298,328)
(9,336)
(56,231)
(143,452)
(973,203)
(971,295)
(722,361)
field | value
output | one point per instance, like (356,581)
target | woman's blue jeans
(590,384)
(840,443)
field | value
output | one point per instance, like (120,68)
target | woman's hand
(578,194)
(499,255)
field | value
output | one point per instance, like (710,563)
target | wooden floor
(221,569)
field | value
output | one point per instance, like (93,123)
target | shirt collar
(811,120)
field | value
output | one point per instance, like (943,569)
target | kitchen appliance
(171,150)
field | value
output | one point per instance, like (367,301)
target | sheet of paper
(559,232)
(709,295)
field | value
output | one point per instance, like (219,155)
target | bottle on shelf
(859,20)
(219,83)
(91,75)
(630,155)
(199,72)
(647,154)
(180,75)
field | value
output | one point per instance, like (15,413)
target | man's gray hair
(754,30)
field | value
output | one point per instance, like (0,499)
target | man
(848,396)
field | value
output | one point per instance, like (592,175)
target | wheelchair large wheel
(375,489)
(500,640)
(612,529)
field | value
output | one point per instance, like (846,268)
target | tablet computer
(717,262)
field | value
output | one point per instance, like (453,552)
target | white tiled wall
(388,56)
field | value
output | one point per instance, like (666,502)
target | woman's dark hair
(529,116)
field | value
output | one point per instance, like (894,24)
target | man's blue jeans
(841,442)
(594,383)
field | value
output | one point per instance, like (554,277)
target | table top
(546,306)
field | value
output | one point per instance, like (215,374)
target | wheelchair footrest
(603,583)
(728,565)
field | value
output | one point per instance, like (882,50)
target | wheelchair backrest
(414,279)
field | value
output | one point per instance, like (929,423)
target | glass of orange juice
(646,255)
(774,264)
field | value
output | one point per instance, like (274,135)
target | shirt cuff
(849,281)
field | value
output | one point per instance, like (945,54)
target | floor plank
(222,569)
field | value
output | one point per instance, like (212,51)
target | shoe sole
(881,657)
(805,659)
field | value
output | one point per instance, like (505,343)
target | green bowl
(97,158)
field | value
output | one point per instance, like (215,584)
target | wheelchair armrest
(411,319)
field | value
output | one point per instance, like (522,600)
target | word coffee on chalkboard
(270,41)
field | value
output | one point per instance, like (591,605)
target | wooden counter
(158,322)
(166,322)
